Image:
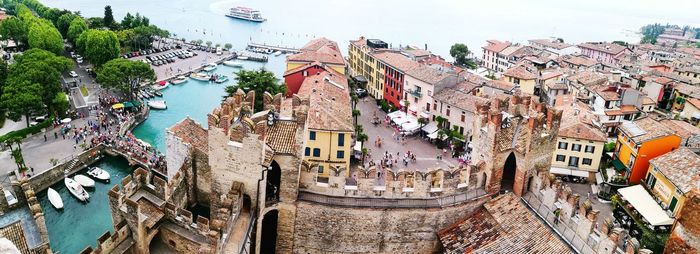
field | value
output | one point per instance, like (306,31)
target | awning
(66,120)
(396,114)
(118,106)
(598,178)
(696,115)
(618,165)
(433,135)
(410,126)
(128,104)
(400,120)
(430,127)
(424,114)
(640,199)
(358,146)
(568,172)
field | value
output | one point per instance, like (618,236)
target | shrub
(23,133)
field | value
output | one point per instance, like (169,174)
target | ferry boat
(245,13)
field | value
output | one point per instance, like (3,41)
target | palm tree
(358,130)
(362,137)
(355,114)
(422,121)
(440,121)
(354,100)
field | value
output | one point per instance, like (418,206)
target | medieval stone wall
(55,174)
(178,152)
(321,228)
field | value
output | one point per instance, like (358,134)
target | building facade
(362,62)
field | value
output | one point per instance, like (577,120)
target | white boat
(98,174)
(200,76)
(84,181)
(162,85)
(178,80)
(76,189)
(277,53)
(209,67)
(245,13)
(233,64)
(157,105)
(243,57)
(55,198)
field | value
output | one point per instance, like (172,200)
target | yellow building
(521,76)
(329,125)
(580,145)
(691,111)
(671,176)
(363,62)
(682,93)
(320,50)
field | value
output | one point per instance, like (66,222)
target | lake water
(79,224)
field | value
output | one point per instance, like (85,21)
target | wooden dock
(271,48)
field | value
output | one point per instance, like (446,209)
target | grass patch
(84,90)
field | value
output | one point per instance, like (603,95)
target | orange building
(639,142)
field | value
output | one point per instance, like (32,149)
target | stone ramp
(238,233)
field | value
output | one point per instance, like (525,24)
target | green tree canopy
(42,34)
(21,99)
(64,22)
(651,32)
(98,46)
(77,27)
(461,52)
(125,75)
(95,22)
(14,28)
(109,17)
(37,66)
(260,81)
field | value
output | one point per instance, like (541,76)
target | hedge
(23,133)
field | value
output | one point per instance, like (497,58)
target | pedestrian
(557,212)
(589,195)
(55,135)
(45,139)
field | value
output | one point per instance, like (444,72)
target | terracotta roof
(329,95)
(360,42)
(191,133)
(608,95)
(502,225)
(579,121)
(396,60)
(281,136)
(519,72)
(609,48)
(578,60)
(511,49)
(646,100)
(500,84)
(551,74)
(427,74)
(681,166)
(322,50)
(692,91)
(588,78)
(15,234)
(650,129)
(301,68)
(496,46)
(695,102)
(458,96)
(417,52)
(681,128)
(551,44)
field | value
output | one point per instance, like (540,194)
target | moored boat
(233,64)
(157,105)
(209,67)
(277,53)
(160,86)
(98,174)
(84,181)
(221,79)
(243,57)
(200,76)
(245,13)
(76,189)
(158,93)
(178,80)
(55,198)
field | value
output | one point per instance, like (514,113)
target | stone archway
(508,176)
(268,236)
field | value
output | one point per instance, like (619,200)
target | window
(340,154)
(448,111)
(611,118)
(573,161)
(561,158)
(427,107)
(320,169)
(563,145)
(317,152)
(587,161)
(305,73)
(630,163)
(341,139)
(307,151)
(462,117)
(435,105)
(312,135)
(576,147)
(590,149)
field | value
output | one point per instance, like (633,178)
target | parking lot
(174,61)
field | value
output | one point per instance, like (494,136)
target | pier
(271,49)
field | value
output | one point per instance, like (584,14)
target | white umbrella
(66,120)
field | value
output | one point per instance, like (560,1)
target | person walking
(45,139)
(557,212)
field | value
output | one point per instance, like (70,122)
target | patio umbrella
(118,106)
(66,120)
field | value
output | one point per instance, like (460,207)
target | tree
(362,138)
(77,27)
(460,52)
(125,75)
(218,45)
(422,121)
(61,104)
(354,99)
(21,99)
(95,22)
(355,114)
(14,28)
(208,44)
(108,20)
(440,121)
(651,32)
(37,66)
(228,46)
(42,34)
(64,22)
(98,46)
(260,81)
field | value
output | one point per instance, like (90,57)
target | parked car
(360,92)
(79,60)
(73,74)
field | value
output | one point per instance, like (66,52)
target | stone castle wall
(53,175)
(320,228)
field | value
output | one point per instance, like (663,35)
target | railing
(415,93)
(437,202)
(246,240)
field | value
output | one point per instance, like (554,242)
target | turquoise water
(192,98)
(79,224)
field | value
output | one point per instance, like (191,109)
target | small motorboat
(221,79)
(200,76)
(76,189)
(209,67)
(233,64)
(84,181)
(55,198)
(147,94)
(243,57)
(160,86)
(157,105)
(98,174)
(158,93)
(277,53)
(178,80)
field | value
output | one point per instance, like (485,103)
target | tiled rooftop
(330,99)
(458,96)
(520,72)
(579,121)
(502,225)
(692,91)
(496,46)
(578,60)
(588,78)
(551,44)
(15,234)
(396,60)
(192,133)
(322,50)
(695,102)
(427,74)
(610,48)
(281,136)
(650,127)
(681,166)
(681,128)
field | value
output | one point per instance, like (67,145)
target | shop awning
(618,165)
(568,172)
(358,146)
(433,135)
(396,114)
(430,127)
(640,199)
(118,106)
(128,104)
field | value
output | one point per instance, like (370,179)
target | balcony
(415,93)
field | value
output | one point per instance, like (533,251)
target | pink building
(604,51)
